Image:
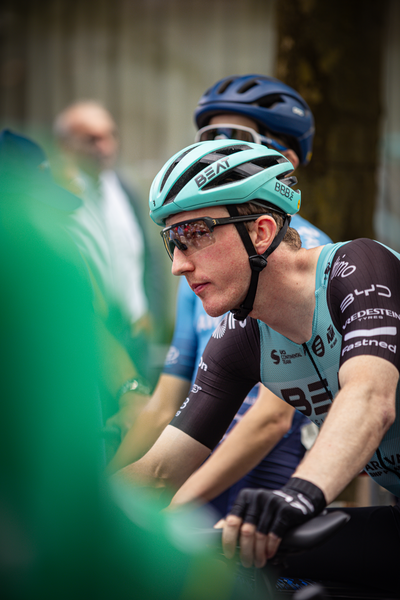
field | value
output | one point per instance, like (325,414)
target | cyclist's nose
(181,264)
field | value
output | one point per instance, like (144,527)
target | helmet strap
(258,262)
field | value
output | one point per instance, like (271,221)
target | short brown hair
(292,237)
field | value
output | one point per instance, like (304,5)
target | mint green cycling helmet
(228,173)
(220,173)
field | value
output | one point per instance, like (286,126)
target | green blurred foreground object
(61,534)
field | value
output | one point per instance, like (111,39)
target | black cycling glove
(279,510)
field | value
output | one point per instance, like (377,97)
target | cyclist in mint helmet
(277,432)
(323,335)
(224,173)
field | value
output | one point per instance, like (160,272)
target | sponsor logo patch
(202,365)
(364,342)
(371,313)
(341,268)
(286,358)
(220,330)
(381,290)
(172,356)
(318,346)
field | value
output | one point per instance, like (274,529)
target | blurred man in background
(109,231)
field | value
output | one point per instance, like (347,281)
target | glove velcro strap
(311,491)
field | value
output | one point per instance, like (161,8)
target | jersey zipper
(323,381)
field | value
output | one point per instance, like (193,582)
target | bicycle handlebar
(301,538)
(312,533)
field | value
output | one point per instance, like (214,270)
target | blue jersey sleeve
(181,357)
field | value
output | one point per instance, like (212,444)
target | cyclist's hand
(262,517)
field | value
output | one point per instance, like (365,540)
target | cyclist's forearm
(245,446)
(169,462)
(360,415)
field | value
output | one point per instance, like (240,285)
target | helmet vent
(172,167)
(247,86)
(269,161)
(269,101)
(199,166)
(227,151)
(225,85)
(243,171)
(182,181)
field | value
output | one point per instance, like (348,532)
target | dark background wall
(333,55)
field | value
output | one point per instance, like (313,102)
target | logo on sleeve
(369,333)
(381,290)
(341,268)
(196,388)
(184,405)
(172,356)
(371,313)
(202,365)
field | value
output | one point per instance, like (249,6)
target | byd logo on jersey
(211,172)
(381,290)
(368,333)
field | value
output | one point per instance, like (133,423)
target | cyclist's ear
(292,156)
(262,233)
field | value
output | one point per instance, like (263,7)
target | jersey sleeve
(364,300)
(181,357)
(229,368)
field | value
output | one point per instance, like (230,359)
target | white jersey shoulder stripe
(370,332)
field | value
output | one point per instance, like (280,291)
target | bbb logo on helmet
(284,190)
(211,172)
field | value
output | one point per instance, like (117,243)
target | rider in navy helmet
(275,108)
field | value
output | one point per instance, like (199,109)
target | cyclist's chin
(216,306)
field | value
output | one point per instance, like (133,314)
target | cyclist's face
(219,274)
(246,122)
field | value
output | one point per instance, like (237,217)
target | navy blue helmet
(276,107)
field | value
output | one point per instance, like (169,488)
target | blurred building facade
(149,61)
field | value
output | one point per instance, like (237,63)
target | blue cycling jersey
(193,329)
